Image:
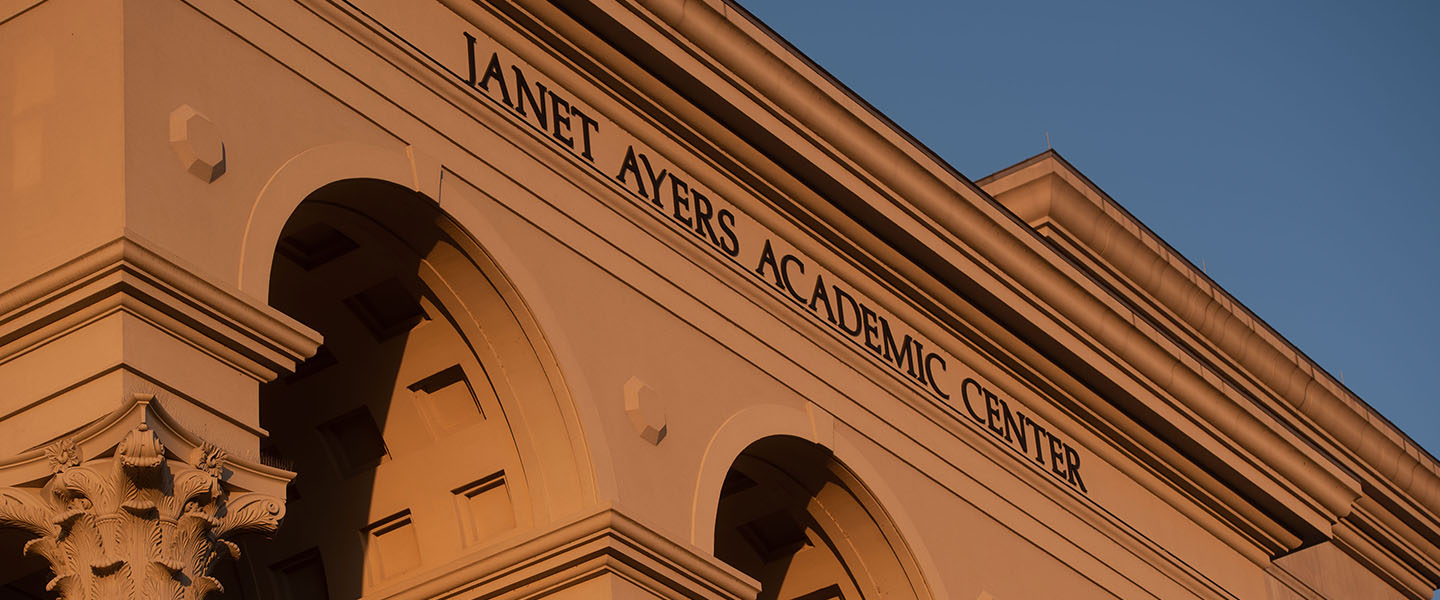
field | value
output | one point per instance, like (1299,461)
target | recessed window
(355,440)
(301,577)
(314,245)
(387,309)
(391,546)
(448,401)
(485,508)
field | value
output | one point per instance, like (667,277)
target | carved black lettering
(965,396)
(869,323)
(523,96)
(470,51)
(703,212)
(1009,421)
(1057,457)
(767,257)
(731,244)
(630,166)
(843,299)
(1040,432)
(680,197)
(587,124)
(821,296)
(1072,463)
(992,413)
(930,373)
(493,72)
(785,262)
(560,118)
(1020,439)
(900,355)
(655,180)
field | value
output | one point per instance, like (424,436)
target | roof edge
(1334,410)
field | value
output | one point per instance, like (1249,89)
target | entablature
(928,246)
(1254,363)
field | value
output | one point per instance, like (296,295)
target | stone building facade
(617,299)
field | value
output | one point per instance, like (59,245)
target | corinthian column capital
(134,507)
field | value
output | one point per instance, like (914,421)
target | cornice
(950,231)
(947,245)
(909,210)
(604,541)
(141,411)
(125,274)
(1394,527)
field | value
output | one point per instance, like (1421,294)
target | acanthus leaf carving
(137,524)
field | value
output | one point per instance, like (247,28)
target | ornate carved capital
(137,522)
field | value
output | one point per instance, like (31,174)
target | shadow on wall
(405,428)
(802,524)
(396,429)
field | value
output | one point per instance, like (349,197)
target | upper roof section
(1110,245)
(1063,270)
(1079,220)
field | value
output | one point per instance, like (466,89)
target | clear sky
(1292,147)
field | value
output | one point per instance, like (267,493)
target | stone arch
(740,431)
(434,426)
(818,492)
(301,175)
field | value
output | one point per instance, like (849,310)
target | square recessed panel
(387,309)
(355,440)
(735,482)
(448,401)
(775,535)
(392,547)
(301,577)
(314,245)
(485,508)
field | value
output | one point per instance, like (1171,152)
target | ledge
(881,196)
(245,473)
(603,542)
(246,334)
(1094,230)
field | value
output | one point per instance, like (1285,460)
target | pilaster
(134,506)
(124,499)
(124,319)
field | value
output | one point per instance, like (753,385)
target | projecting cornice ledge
(605,545)
(1310,456)
(1393,526)
(126,275)
(951,244)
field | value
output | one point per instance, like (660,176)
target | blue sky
(1292,147)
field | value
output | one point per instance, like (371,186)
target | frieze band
(674,198)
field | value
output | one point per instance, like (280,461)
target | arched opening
(431,425)
(801,523)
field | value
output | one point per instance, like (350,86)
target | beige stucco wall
(61,152)
(616,295)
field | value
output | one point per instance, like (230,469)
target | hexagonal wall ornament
(197,143)
(646,409)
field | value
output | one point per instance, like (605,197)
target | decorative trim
(603,542)
(744,66)
(1387,527)
(138,522)
(246,334)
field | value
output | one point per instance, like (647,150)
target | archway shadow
(802,524)
(397,427)
(344,274)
